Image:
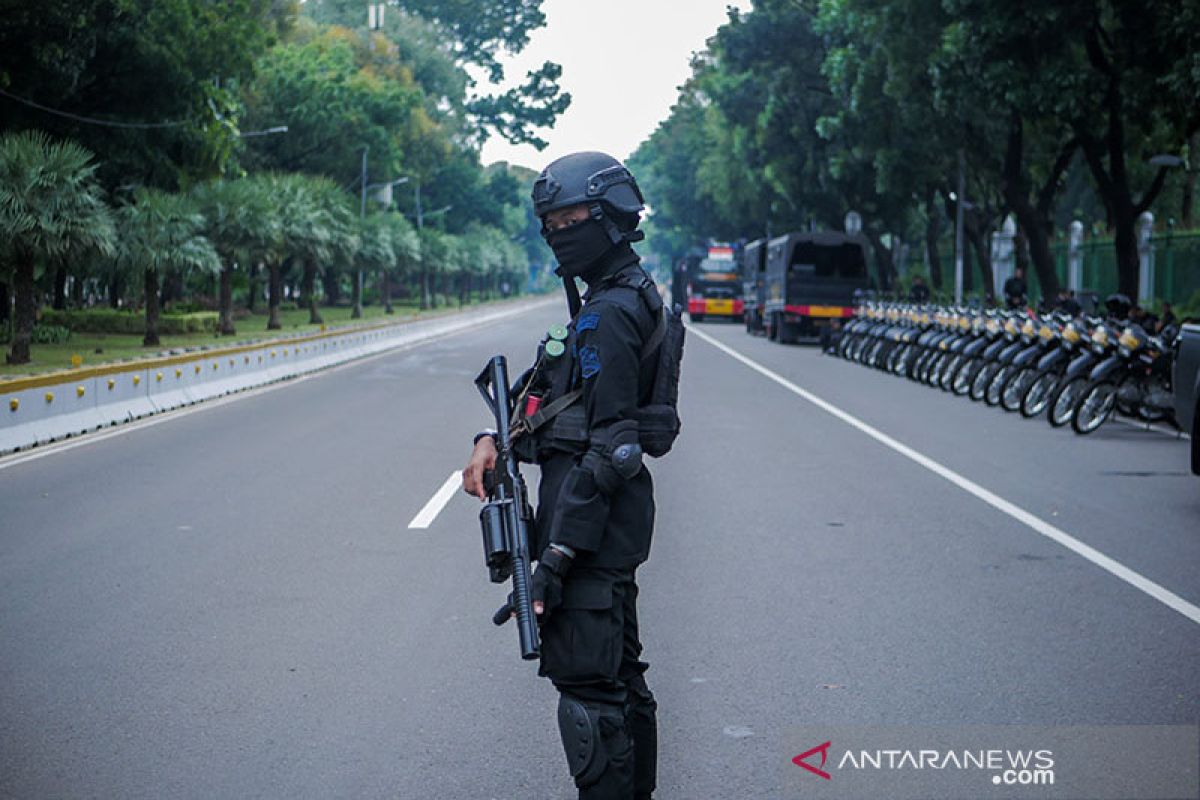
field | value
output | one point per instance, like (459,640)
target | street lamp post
(356,313)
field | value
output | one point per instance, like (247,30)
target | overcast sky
(622,60)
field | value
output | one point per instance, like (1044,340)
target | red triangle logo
(823,749)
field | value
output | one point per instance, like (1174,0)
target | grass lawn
(105,348)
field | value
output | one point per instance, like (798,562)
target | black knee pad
(589,736)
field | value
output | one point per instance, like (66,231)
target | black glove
(546,586)
(548,580)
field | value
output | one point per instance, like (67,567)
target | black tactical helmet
(589,178)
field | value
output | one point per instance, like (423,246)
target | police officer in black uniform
(595,509)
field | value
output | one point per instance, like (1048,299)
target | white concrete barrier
(44,409)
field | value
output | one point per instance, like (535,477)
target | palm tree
(405,249)
(241,222)
(50,207)
(161,232)
(375,250)
(316,227)
(330,241)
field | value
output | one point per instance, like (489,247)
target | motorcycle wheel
(1037,396)
(1014,388)
(960,382)
(1063,400)
(995,385)
(981,380)
(1095,405)
(927,363)
(946,371)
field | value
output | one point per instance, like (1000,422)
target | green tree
(51,208)
(161,232)
(143,84)
(243,223)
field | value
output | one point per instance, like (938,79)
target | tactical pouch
(658,420)
(567,431)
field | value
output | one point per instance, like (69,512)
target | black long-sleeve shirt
(608,530)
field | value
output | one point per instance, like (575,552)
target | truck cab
(754,267)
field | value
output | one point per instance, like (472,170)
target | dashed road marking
(428,514)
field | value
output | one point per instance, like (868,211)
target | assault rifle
(506,517)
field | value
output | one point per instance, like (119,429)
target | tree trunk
(1128,263)
(60,287)
(385,283)
(356,295)
(977,237)
(26,310)
(5,303)
(883,260)
(1032,223)
(1112,179)
(77,299)
(252,286)
(424,288)
(933,230)
(1021,255)
(225,302)
(151,286)
(275,295)
(309,291)
(115,289)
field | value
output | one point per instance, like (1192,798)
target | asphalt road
(231,603)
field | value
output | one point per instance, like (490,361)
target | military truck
(810,283)
(754,266)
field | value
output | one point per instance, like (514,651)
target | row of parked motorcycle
(1075,369)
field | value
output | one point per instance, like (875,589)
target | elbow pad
(615,455)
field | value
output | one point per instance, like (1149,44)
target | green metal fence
(1176,268)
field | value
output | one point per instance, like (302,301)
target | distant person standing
(919,292)
(1015,290)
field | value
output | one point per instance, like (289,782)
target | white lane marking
(428,514)
(1134,579)
(41,451)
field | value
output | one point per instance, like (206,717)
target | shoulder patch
(588,322)
(589,361)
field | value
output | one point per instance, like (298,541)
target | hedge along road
(233,604)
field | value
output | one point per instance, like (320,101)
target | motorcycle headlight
(1099,337)
(1071,335)
(1046,332)
(1129,340)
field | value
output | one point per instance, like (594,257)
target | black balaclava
(580,247)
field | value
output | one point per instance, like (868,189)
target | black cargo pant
(590,651)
